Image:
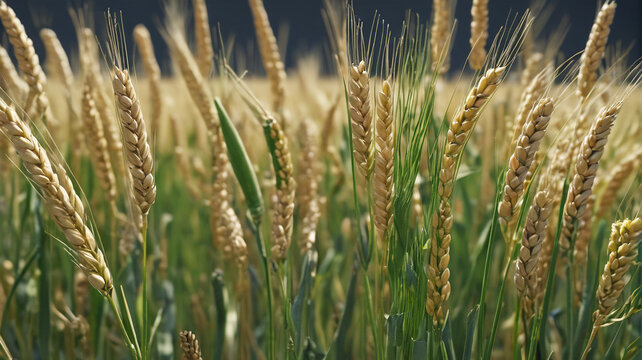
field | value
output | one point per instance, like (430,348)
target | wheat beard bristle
(60,198)
(137,151)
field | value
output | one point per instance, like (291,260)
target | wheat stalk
(152,70)
(478,34)
(439,34)
(581,185)
(594,50)
(137,152)
(189,344)
(269,53)
(521,160)
(526,279)
(361,117)
(204,50)
(384,160)
(460,129)
(60,198)
(97,144)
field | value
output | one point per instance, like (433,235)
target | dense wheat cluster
(391,208)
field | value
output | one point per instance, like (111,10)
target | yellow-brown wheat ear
(61,200)
(527,263)
(439,33)
(189,345)
(520,161)
(594,50)
(269,49)
(308,184)
(361,117)
(202,32)
(581,186)
(144,43)
(478,34)
(460,129)
(37,102)
(12,82)
(97,144)
(137,152)
(384,160)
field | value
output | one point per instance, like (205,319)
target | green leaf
(471,323)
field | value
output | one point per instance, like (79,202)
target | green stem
(145,317)
(372,318)
(44,315)
(123,330)
(569,303)
(270,311)
(287,316)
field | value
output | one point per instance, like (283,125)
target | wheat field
(395,208)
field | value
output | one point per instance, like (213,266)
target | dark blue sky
(306,26)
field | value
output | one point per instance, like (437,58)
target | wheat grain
(594,50)
(460,129)
(60,198)
(520,162)
(138,154)
(581,185)
(384,161)
(478,34)
(361,117)
(527,263)
(189,344)
(269,53)
(204,50)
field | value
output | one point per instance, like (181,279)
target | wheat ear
(384,160)
(27,60)
(478,34)
(531,95)
(97,144)
(520,162)
(144,43)
(269,53)
(622,251)
(57,60)
(137,152)
(527,263)
(361,117)
(283,204)
(439,33)
(204,50)
(532,66)
(580,252)
(14,85)
(60,198)
(461,127)
(581,185)
(308,184)
(189,344)
(594,50)
(616,179)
